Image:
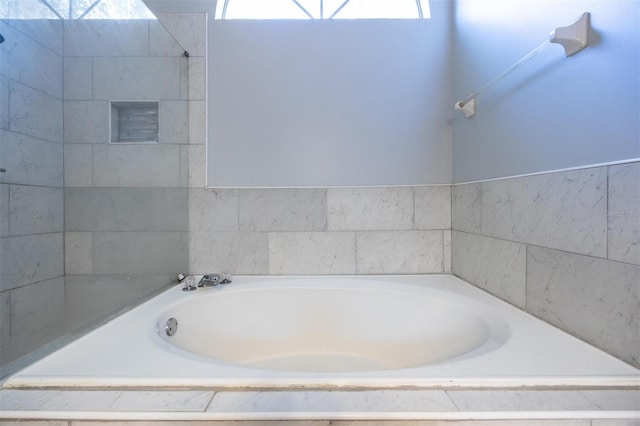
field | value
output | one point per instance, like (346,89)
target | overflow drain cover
(171,326)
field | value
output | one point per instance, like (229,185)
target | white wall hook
(468,107)
(574,37)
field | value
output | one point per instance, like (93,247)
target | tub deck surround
(508,349)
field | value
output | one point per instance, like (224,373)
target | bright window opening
(323,9)
(74,9)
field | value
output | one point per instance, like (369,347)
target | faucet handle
(225,278)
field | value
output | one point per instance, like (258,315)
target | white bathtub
(367,331)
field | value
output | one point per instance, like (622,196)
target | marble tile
(545,400)
(106,37)
(139,252)
(565,210)
(241,253)
(197,78)
(136,78)
(78,253)
(617,422)
(78,78)
(143,165)
(159,401)
(57,400)
(216,423)
(213,209)
(30,161)
(184,78)
(24,60)
(331,401)
(399,252)
(184,166)
(597,300)
(78,165)
(34,113)
(623,214)
(496,266)
(4,103)
(370,208)
(161,42)
(4,210)
(197,166)
(173,121)
(35,210)
(189,29)
(446,235)
(197,122)
(282,209)
(36,306)
(432,207)
(292,253)
(126,209)
(5,317)
(30,259)
(86,122)
(466,203)
(48,32)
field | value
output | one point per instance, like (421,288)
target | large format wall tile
(4,103)
(351,209)
(5,317)
(624,213)
(35,210)
(189,29)
(595,299)
(37,306)
(78,253)
(161,43)
(496,266)
(136,79)
(4,210)
(243,253)
(566,210)
(30,161)
(86,122)
(34,113)
(197,122)
(140,252)
(197,79)
(213,209)
(313,253)
(466,207)
(29,259)
(126,209)
(143,165)
(432,207)
(78,165)
(282,209)
(105,37)
(78,78)
(47,32)
(399,252)
(173,121)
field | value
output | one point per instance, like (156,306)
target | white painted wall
(330,103)
(553,112)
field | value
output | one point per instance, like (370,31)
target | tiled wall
(126,205)
(564,246)
(31,194)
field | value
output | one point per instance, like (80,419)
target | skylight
(323,9)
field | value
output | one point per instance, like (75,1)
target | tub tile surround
(517,239)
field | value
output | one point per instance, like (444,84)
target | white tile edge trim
(546,172)
(325,415)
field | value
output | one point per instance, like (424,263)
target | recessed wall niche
(134,122)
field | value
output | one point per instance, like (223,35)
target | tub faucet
(211,280)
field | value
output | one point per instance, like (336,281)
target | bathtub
(423,331)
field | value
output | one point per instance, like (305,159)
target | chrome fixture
(211,280)
(171,326)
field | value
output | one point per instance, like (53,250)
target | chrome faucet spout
(212,280)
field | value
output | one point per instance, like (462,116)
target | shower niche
(134,122)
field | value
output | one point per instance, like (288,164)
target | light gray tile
(159,401)
(136,78)
(213,209)
(399,252)
(197,78)
(161,42)
(106,37)
(616,422)
(173,121)
(197,167)
(30,259)
(4,210)
(86,122)
(78,253)
(466,214)
(30,161)
(143,165)
(78,165)
(20,400)
(36,306)
(35,209)
(432,207)
(24,59)
(446,235)
(496,266)
(331,401)
(623,213)
(565,210)
(5,317)
(60,400)
(47,32)
(184,166)
(139,252)
(370,208)
(78,78)
(197,122)
(313,253)
(4,102)
(595,299)
(34,113)
(237,252)
(189,29)
(545,400)
(126,209)
(282,209)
